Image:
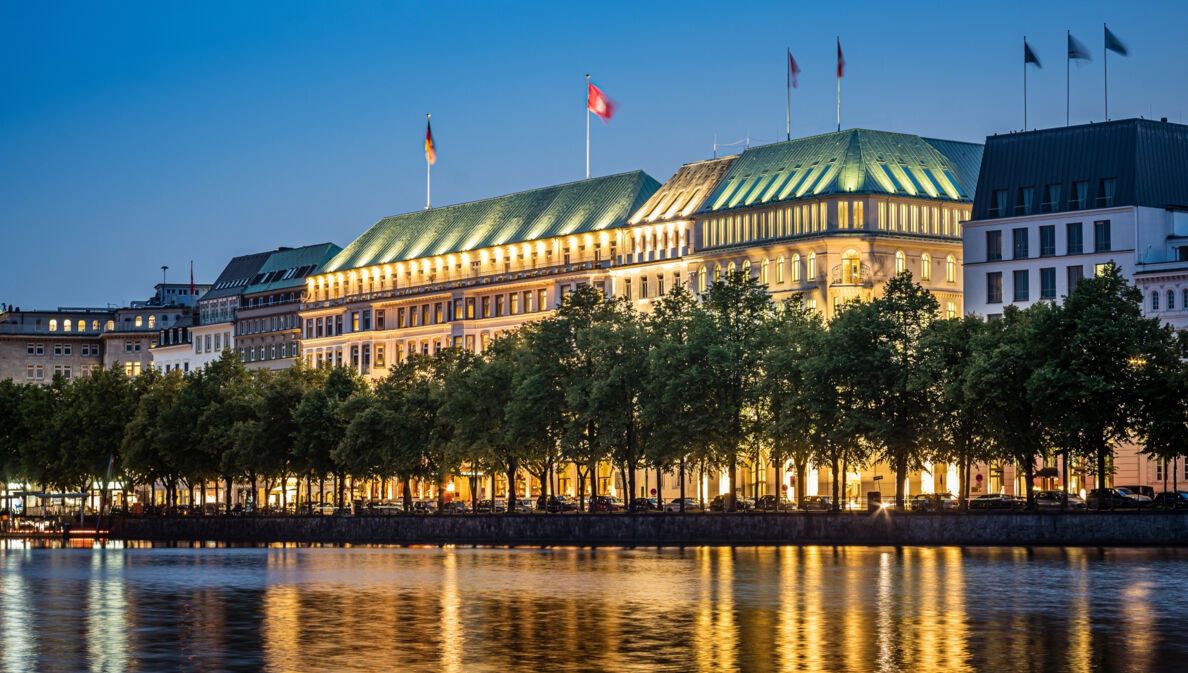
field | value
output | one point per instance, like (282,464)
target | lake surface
(287,608)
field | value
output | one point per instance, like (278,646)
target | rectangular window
(859,216)
(659,286)
(354,321)
(994,287)
(1075,242)
(515,303)
(379,319)
(843,215)
(1075,274)
(627,288)
(998,207)
(1048,283)
(486,307)
(1020,240)
(1051,198)
(643,287)
(1105,192)
(1022,283)
(379,356)
(58,349)
(1047,240)
(498,305)
(470,307)
(437,312)
(1101,236)
(882,215)
(1026,203)
(1079,198)
(542,300)
(993,246)
(528,301)
(337,325)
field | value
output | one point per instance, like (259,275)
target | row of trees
(694,386)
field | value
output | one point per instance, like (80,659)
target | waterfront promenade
(882,528)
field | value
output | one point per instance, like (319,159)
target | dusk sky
(135,135)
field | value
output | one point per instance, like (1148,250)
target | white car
(691,505)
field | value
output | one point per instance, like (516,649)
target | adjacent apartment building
(1055,205)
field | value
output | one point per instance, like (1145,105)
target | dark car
(773,503)
(718,504)
(643,505)
(816,503)
(1055,500)
(1113,498)
(1147,491)
(932,502)
(606,503)
(998,501)
(1172,500)
(555,504)
(489,507)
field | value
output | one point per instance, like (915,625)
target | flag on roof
(1112,43)
(430,146)
(599,103)
(1029,55)
(793,70)
(841,61)
(1077,51)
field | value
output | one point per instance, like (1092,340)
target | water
(697,609)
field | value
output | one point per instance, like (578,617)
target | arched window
(139,321)
(746,267)
(730,270)
(701,279)
(926,267)
(810,271)
(1171,300)
(796,268)
(763,270)
(66,325)
(152,321)
(110,325)
(900,261)
(53,325)
(780,270)
(950,269)
(94,325)
(851,268)
(1155,300)
(1184,298)
(717,273)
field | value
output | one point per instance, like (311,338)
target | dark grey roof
(236,275)
(1148,158)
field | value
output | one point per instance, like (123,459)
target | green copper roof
(288,267)
(577,207)
(849,162)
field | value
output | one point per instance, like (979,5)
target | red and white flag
(598,102)
(841,61)
(793,70)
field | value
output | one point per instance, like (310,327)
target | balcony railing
(838,275)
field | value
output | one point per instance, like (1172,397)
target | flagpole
(587,126)
(839,87)
(788,65)
(1105,65)
(427,167)
(1067,87)
(1024,82)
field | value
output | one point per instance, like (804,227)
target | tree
(145,456)
(796,335)
(320,426)
(100,408)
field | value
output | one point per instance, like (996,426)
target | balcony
(842,275)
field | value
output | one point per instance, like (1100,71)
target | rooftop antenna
(161,294)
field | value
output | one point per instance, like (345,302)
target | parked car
(691,505)
(1139,490)
(997,501)
(555,504)
(816,503)
(490,506)
(1055,500)
(1140,497)
(606,503)
(774,503)
(1114,498)
(457,507)
(566,503)
(747,504)
(524,505)
(740,504)
(424,507)
(642,505)
(932,502)
(1171,500)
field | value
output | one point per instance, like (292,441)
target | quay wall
(884,528)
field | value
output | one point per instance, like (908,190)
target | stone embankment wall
(884,528)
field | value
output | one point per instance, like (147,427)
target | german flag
(430,148)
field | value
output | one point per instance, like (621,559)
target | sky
(135,135)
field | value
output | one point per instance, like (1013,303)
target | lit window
(763,271)
(851,268)
(53,325)
(701,279)
(950,310)
(152,321)
(780,270)
(746,267)
(717,273)
(882,215)
(811,271)
(65,325)
(796,268)
(900,262)
(139,321)
(843,215)
(925,267)
(950,269)
(730,270)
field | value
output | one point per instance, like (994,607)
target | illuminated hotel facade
(829,218)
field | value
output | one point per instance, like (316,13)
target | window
(1105,192)
(950,269)
(810,272)
(763,270)
(1075,243)
(900,262)
(1048,283)
(152,321)
(66,349)
(1026,201)
(57,350)
(1154,300)
(780,270)
(859,219)
(643,287)
(1022,281)
(379,319)
(994,287)
(53,325)
(717,273)
(627,288)
(1075,274)
(993,246)
(486,304)
(29,349)
(843,215)
(541,300)
(998,207)
(701,278)
(1101,236)
(1079,198)
(1020,241)
(1100,269)
(1047,240)
(1183,301)
(882,214)
(925,267)
(1171,300)
(796,268)
(1051,198)
(851,268)
(950,310)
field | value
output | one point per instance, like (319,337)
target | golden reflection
(1080,647)
(452,645)
(107,647)
(16,637)
(954,628)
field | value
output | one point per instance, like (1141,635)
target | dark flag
(1029,55)
(1077,51)
(1112,43)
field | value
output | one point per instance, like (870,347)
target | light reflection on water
(287,608)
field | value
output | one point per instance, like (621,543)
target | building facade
(827,219)
(1056,205)
(36,345)
(213,331)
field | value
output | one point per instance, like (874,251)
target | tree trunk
(593,484)
(338,479)
(660,488)
(900,475)
(1029,475)
(512,497)
(407,487)
(728,498)
(1101,468)
(801,468)
(682,505)
(841,501)
(833,468)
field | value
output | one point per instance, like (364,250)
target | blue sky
(134,135)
